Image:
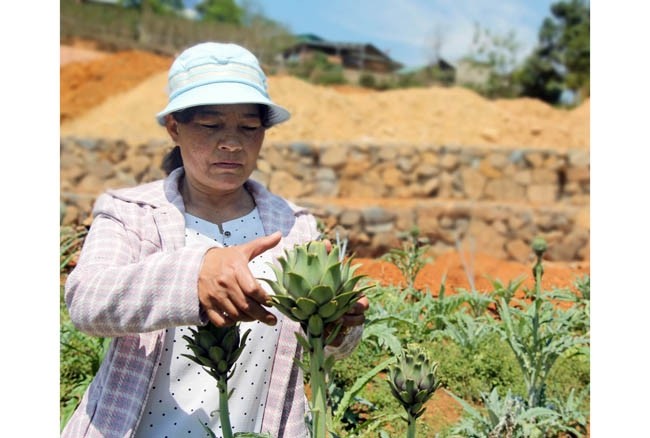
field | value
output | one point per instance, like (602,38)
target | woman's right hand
(228,291)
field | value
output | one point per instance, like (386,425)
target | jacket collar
(277,214)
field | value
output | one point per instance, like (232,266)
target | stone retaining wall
(493,198)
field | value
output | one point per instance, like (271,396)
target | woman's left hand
(354,317)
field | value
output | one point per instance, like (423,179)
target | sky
(406,29)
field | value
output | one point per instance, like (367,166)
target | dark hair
(187,115)
(173,159)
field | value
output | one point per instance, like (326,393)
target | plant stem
(318,387)
(410,431)
(224,412)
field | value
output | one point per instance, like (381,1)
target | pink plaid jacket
(135,277)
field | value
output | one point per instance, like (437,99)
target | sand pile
(116,96)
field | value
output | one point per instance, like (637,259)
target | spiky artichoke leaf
(332,276)
(189,340)
(205,339)
(296,284)
(222,366)
(419,413)
(333,256)
(328,309)
(216,353)
(192,358)
(285,301)
(298,261)
(397,378)
(307,305)
(406,397)
(298,313)
(347,299)
(320,250)
(277,288)
(351,283)
(303,342)
(333,334)
(329,363)
(423,395)
(321,294)
(230,341)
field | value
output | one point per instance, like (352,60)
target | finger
(254,311)
(360,307)
(219,318)
(218,302)
(351,320)
(256,247)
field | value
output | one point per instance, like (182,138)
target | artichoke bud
(215,348)
(539,246)
(412,380)
(313,286)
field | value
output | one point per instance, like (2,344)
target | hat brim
(223,93)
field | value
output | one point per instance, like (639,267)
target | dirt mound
(116,96)
(89,77)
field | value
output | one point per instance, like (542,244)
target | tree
(267,36)
(561,60)
(497,53)
(157,6)
(222,11)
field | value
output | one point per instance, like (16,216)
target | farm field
(115,95)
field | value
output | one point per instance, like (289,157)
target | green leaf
(358,385)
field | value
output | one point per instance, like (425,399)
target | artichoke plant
(217,349)
(412,380)
(316,288)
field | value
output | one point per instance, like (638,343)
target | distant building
(472,73)
(107,2)
(437,72)
(354,58)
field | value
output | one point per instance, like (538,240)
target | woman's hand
(354,317)
(228,291)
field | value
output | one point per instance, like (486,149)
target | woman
(185,251)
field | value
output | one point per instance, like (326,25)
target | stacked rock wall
(494,199)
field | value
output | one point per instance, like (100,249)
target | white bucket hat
(218,73)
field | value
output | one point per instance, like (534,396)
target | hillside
(116,96)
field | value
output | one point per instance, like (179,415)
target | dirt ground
(117,94)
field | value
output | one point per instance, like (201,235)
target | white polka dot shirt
(184,398)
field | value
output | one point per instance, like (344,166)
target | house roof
(362,51)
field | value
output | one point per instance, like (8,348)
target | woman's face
(219,146)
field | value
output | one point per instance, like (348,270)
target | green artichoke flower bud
(314,287)
(539,246)
(216,348)
(412,380)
